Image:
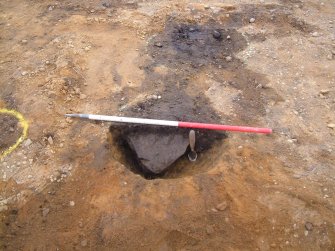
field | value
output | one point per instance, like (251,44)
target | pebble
(222,206)
(216,34)
(45,211)
(72,203)
(252,20)
(157,44)
(50,140)
(315,34)
(87,48)
(209,230)
(273,245)
(324,92)
(331,125)
(27,143)
(29,176)
(83,243)
(82,96)
(24,73)
(24,41)
(229,58)
(309,226)
(3,208)
(11,129)
(69,120)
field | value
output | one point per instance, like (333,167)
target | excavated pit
(152,150)
(178,56)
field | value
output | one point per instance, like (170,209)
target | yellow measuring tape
(24,125)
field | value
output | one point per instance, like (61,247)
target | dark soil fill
(9,131)
(154,149)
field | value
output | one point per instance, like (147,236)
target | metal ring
(192,156)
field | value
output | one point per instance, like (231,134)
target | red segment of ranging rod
(224,127)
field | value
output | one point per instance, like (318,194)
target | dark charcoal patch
(197,45)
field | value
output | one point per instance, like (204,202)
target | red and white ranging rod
(179,124)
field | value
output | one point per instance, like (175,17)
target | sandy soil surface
(70,184)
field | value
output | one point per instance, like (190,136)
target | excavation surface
(76,184)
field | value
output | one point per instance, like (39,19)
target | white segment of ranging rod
(133,120)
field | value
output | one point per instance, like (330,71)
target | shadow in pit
(155,152)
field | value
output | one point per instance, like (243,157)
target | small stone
(222,206)
(159,97)
(27,143)
(331,125)
(83,243)
(324,92)
(24,41)
(29,176)
(61,145)
(315,34)
(24,73)
(87,48)
(209,230)
(216,34)
(3,208)
(206,7)
(229,58)
(228,37)
(309,226)
(47,62)
(72,203)
(252,20)
(50,140)
(273,245)
(11,129)
(69,120)
(82,96)
(157,44)
(45,211)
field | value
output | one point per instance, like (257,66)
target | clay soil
(72,184)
